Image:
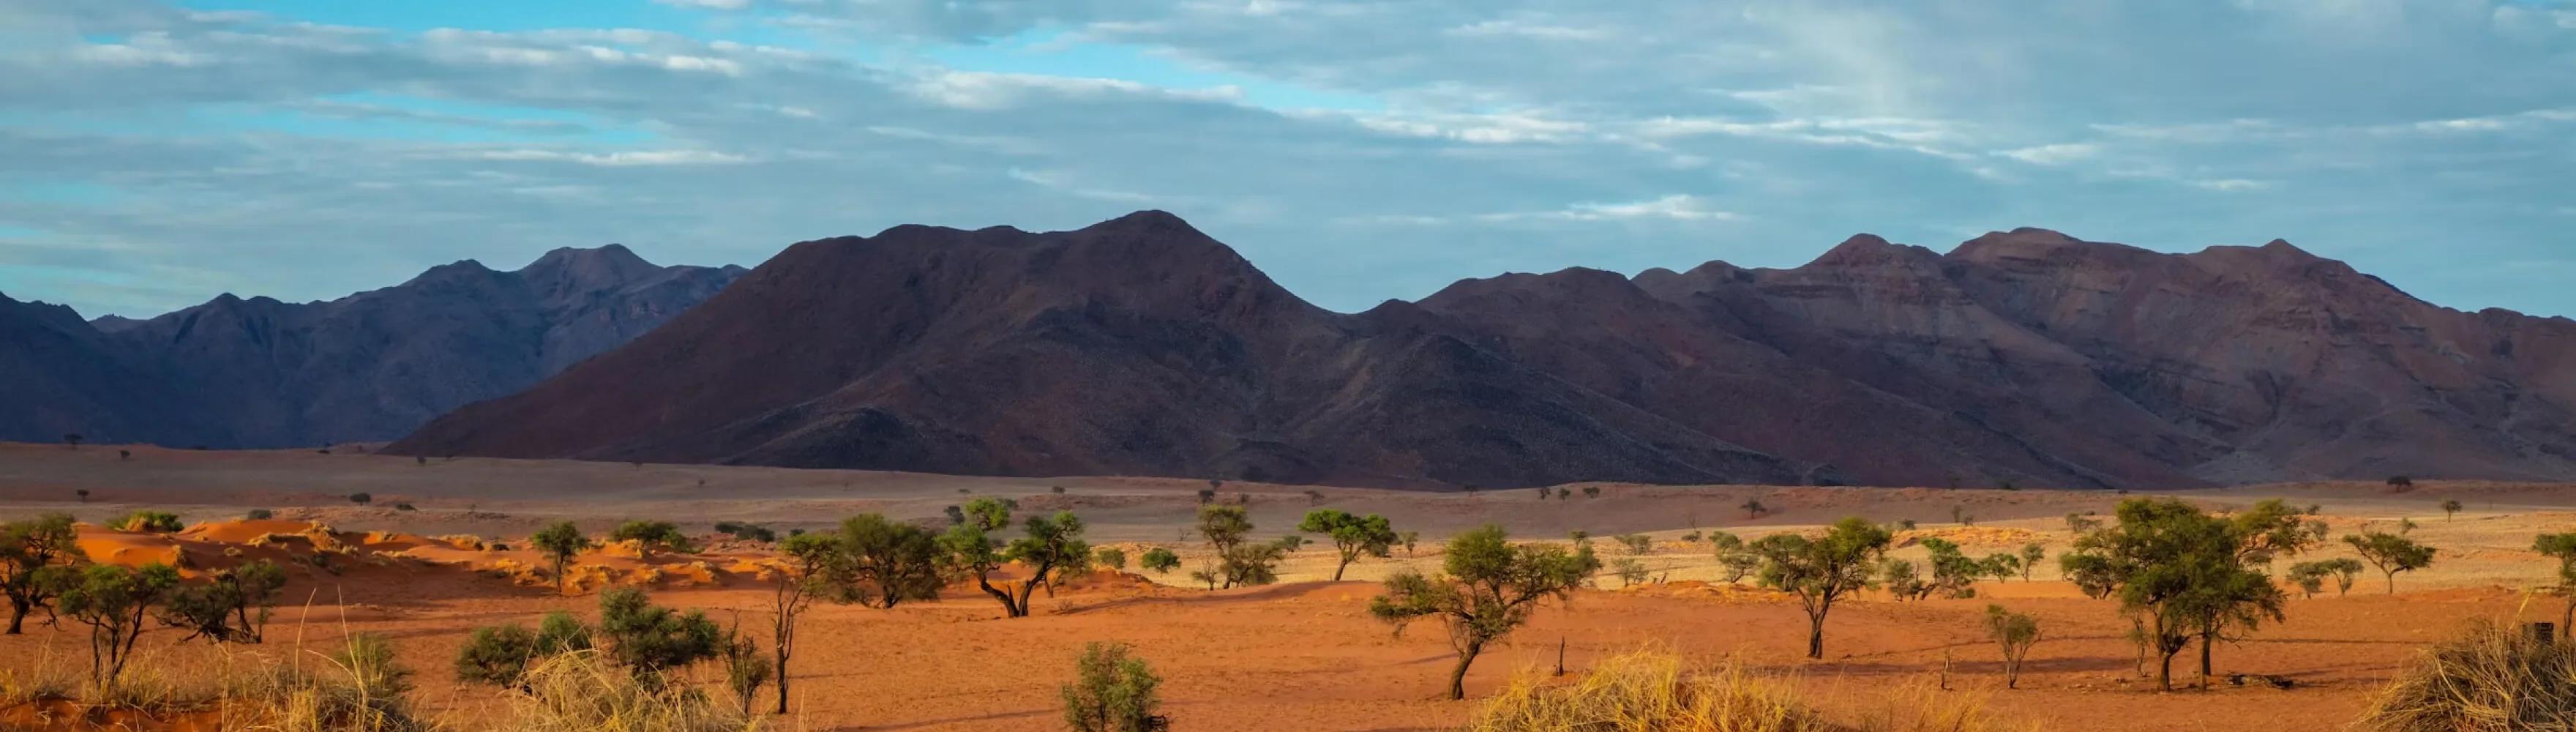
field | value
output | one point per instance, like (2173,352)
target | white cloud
(2056,154)
(621,158)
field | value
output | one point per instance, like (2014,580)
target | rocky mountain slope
(1141,346)
(257,372)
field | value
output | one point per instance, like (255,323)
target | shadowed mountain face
(370,366)
(1140,346)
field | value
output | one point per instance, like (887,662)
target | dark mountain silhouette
(1141,346)
(371,366)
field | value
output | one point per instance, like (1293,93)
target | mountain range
(372,366)
(1141,346)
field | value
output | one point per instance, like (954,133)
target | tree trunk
(18,616)
(1009,607)
(2205,640)
(2164,671)
(782,681)
(1458,676)
(1816,635)
(2392,581)
(2565,620)
(1337,569)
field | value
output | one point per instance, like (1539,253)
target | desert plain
(1302,654)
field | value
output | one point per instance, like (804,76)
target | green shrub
(231,608)
(1160,560)
(1110,557)
(158,522)
(500,655)
(361,498)
(650,536)
(1112,692)
(649,640)
(260,514)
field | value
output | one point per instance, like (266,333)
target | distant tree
(1408,539)
(1636,543)
(1235,561)
(157,522)
(36,562)
(1051,542)
(1691,538)
(651,640)
(2310,577)
(420,460)
(1291,543)
(1352,536)
(1905,524)
(1314,498)
(1954,575)
(1753,509)
(1112,691)
(2450,508)
(1959,515)
(2001,566)
(2346,570)
(1207,495)
(1058,490)
(882,562)
(2401,483)
(2081,524)
(125,454)
(1630,570)
(1159,559)
(652,536)
(2390,553)
(956,514)
(1490,588)
(361,498)
(114,601)
(1823,569)
(83,493)
(232,607)
(1592,491)
(2031,555)
(2183,573)
(72,439)
(2015,633)
(560,542)
(259,514)
(1110,557)
(1903,580)
(405,507)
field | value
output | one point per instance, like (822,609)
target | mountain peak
(1869,250)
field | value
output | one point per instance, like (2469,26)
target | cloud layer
(158,154)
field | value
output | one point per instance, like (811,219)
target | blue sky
(154,154)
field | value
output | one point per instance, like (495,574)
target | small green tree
(2346,570)
(72,439)
(2450,508)
(2310,577)
(2015,633)
(1490,588)
(745,669)
(2390,553)
(651,640)
(1735,560)
(36,561)
(816,566)
(1903,580)
(2031,555)
(114,601)
(559,542)
(1408,539)
(1753,509)
(1822,570)
(259,514)
(1630,570)
(1112,691)
(1352,536)
(361,498)
(2561,547)
(1235,561)
(1110,557)
(652,536)
(1954,575)
(2080,524)
(1636,544)
(1160,560)
(233,607)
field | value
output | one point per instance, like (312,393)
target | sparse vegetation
(1110,557)
(1735,561)
(1352,536)
(745,669)
(1753,509)
(1489,588)
(2031,555)
(882,562)
(1112,691)
(1635,543)
(1823,569)
(2561,547)
(2450,508)
(650,640)
(2081,524)
(2184,573)
(1629,570)
(361,498)
(1408,539)
(156,522)
(259,514)
(814,569)
(2015,633)
(748,532)
(499,655)
(1051,542)
(1592,491)
(2390,553)
(1233,560)
(37,558)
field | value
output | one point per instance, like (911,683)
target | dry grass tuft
(2487,679)
(582,691)
(1648,691)
(1656,691)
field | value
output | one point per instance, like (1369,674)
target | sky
(154,154)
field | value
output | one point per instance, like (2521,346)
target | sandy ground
(1299,655)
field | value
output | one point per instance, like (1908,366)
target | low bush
(2488,678)
(159,522)
(1112,692)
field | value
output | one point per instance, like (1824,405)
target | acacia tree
(1234,560)
(652,535)
(2031,555)
(2450,508)
(814,562)
(1733,558)
(2391,553)
(1489,587)
(1052,541)
(1822,570)
(1353,536)
(113,601)
(560,542)
(1158,559)
(2181,572)
(35,557)
(231,608)
(892,560)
